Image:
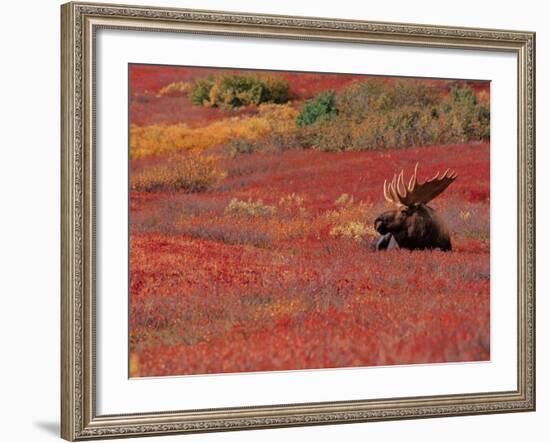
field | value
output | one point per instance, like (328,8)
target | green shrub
(360,99)
(334,137)
(199,91)
(401,128)
(276,90)
(375,114)
(415,93)
(467,119)
(317,110)
(484,122)
(233,91)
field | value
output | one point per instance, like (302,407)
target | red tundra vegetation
(263,260)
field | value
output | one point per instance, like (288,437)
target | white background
(117,394)
(29,226)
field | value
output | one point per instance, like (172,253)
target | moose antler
(415,193)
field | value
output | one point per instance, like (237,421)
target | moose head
(413,224)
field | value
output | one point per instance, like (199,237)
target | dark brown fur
(412,227)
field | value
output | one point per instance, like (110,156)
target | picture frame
(81,22)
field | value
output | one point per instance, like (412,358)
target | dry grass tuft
(189,173)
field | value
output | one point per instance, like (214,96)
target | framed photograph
(282,221)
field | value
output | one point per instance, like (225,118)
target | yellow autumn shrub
(175,88)
(193,172)
(249,208)
(349,219)
(160,139)
(353,230)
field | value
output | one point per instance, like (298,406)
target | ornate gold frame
(79,420)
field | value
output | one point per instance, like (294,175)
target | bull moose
(413,224)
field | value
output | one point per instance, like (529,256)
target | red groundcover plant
(251,236)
